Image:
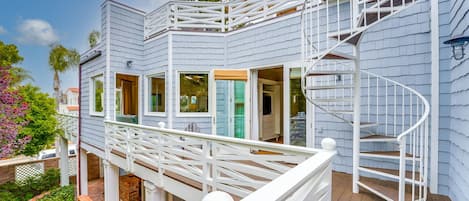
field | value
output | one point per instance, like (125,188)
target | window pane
(193,95)
(98,94)
(157,94)
(297,110)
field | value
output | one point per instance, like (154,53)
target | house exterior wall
(457,131)
(398,48)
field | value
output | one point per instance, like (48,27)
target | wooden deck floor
(341,190)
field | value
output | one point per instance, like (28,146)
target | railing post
(356,120)
(402,166)
(206,166)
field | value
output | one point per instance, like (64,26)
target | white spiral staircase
(389,119)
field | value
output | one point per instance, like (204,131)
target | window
(193,92)
(156,93)
(97,95)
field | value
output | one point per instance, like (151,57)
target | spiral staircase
(389,119)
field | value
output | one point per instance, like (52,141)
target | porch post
(153,192)
(83,172)
(63,161)
(111,181)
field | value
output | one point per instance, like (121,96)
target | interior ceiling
(275,74)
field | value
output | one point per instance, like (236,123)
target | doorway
(126,109)
(270,104)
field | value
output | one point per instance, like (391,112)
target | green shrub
(30,187)
(66,193)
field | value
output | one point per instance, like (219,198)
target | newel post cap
(328,144)
(218,196)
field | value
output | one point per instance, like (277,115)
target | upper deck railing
(243,168)
(69,125)
(220,16)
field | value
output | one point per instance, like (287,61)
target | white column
(153,192)
(63,161)
(111,181)
(356,121)
(83,173)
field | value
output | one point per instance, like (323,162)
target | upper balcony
(220,16)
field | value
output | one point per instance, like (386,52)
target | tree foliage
(13,110)
(9,56)
(93,38)
(41,115)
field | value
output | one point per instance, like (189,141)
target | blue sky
(31,25)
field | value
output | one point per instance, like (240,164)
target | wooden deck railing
(222,163)
(69,124)
(214,16)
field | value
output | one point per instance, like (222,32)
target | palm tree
(93,38)
(19,75)
(61,59)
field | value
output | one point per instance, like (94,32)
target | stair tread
(341,111)
(386,153)
(366,124)
(329,87)
(393,172)
(338,72)
(378,137)
(342,35)
(333,100)
(335,55)
(389,188)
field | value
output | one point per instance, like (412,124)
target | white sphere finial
(161,124)
(218,196)
(328,144)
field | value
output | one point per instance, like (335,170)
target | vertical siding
(155,61)
(92,127)
(195,53)
(459,107)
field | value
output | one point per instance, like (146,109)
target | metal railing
(225,164)
(214,16)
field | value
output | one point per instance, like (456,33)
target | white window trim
(91,95)
(146,93)
(178,86)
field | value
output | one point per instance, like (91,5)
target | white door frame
(310,126)
(247,105)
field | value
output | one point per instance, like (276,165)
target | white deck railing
(226,164)
(213,16)
(69,124)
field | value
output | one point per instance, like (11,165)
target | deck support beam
(63,161)
(153,192)
(83,172)
(111,181)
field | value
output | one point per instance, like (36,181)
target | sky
(33,25)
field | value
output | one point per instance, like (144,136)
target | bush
(32,186)
(66,193)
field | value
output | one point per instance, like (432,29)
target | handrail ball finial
(218,196)
(161,124)
(328,144)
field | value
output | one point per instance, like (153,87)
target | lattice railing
(218,163)
(214,16)
(69,124)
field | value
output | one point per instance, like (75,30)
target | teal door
(230,108)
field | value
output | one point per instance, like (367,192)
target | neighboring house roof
(73,89)
(73,108)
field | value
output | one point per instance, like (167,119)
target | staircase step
(330,72)
(391,173)
(386,189)
(378,138)
(367,124)
(329,87)
(334,55)
(332,100)
(341,111)
(386,155)
(371,17)
(342,35)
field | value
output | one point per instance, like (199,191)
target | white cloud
(36,31)
(2,30)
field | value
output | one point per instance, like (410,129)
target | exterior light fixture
(129,64)
(458,44)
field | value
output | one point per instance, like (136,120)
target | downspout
(435,94)
(79,133)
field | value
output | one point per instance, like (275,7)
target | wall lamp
(458,44)
(129,64)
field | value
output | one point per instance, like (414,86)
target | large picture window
(193,92)
(97,95)
(156,93)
